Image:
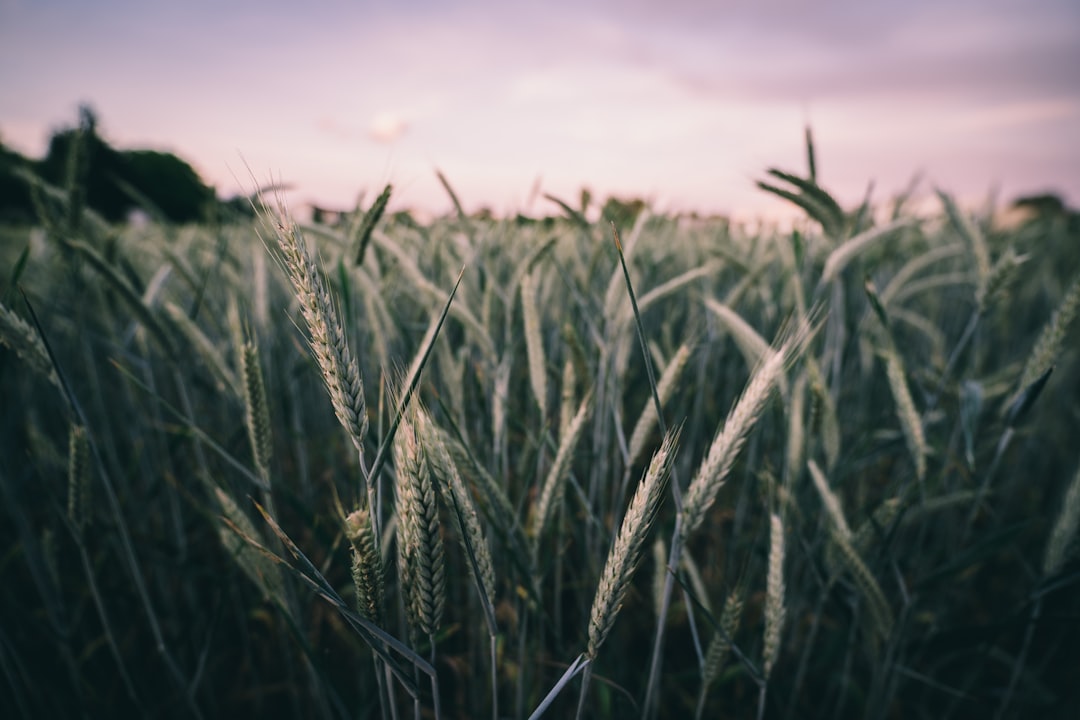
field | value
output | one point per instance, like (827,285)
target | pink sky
(685,103)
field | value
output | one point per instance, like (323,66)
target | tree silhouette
(15,204)
(115,182)
(169,183)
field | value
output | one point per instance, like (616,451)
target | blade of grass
(371,219)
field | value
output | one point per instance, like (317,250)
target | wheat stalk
(751,344)
(500,395)
(123,286)
(551,490)
(774,595)
(78,477)
(713,471)
(362,233)
(668,288)
(974,237)
(824,412)
(567,397)
(665,388)
(367,570)
(720,646)
(880,612)
(1064,531)
(910,422)
(1001,275)
(625,553)
(842,540)
(830,500)
(534,342)
(934,257)
(796,441)
(244,542)
(17,334)
(840,257)
(421,570)
(456,496)
(340,371)
(1048,345)
(722,639)
(197,339)
(257,412)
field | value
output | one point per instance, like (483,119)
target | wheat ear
(713,472)
(910,422)
(623,558)
(823,413)
(367,570)
(1064,532)
(245,544)
(1001,276)
(566,397)
(751,344)
(1053,333)
(796,443)
(551,490)
(339,368)
(843,542)
(534,341)
(17,334)
(774,595)
(722,639)
(78,477)
(974,237)
(421,569)
(665,388)
(205,347)
(840,257)
(257,415)
(626,551)
(458,498)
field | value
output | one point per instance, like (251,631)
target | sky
(683,102)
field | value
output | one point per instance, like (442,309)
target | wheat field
(660,467)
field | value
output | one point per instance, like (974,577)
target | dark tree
(80,161)
(114,182)
(15,203)
(168,183)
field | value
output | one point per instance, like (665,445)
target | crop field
(662,467)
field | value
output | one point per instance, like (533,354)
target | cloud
(793,51)
(386,127)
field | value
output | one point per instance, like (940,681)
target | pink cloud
(386,127)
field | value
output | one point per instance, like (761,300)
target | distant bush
(15,205)
(111,182)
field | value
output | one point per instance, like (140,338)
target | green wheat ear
(1063,535)
(1051,338)
(257,415)
(722,640)
(78,501)
(367,569)
(775,612)
(421,562)
(18,335)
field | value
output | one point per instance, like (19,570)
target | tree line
(114,182)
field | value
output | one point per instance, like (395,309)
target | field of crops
(390,469)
